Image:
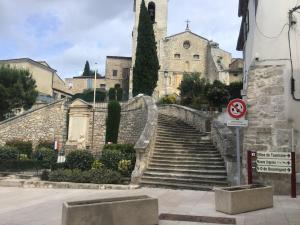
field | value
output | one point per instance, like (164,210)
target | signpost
(274,162)
(237,110)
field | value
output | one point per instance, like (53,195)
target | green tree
(113,121)
(234,90)
(193,87)
(218,94)
(87,70)
(145,71)
(17,90)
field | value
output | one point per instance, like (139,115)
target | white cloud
(92,29)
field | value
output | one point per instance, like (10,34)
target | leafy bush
(218,94)
(45,175)
(113,122)
(119,94)
(23,147)
(105,176)
(47,155)
(112,94)
(45,144)
(88,95)
(97,164)
(79,159)
(125,167)
(100,176)
(234,90)
(22,165)
(168,99)
(113,154)
(8,153)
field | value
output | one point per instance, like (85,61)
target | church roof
(187,31)
(119,57)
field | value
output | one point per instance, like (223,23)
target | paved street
(20,206)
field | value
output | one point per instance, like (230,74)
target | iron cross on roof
(187,25)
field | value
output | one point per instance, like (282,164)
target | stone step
(188,171)
(184,151)
(160,184)
(186,162)
(202,139)
(180,135)
(196,155)
(178,141)
(185,180)
(187,158)
(175,125)
(184,145)
(177,130)
(186,176)
(180,166)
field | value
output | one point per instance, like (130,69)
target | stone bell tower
(158,10)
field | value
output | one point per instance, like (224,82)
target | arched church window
(151,11)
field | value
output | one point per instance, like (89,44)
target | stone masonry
(269,129)
(43,124)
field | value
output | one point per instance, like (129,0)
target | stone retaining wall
(133,120)
(46,123)
(199,120)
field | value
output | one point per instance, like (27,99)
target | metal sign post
(237,110)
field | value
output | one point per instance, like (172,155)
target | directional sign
(274,155)
(237,108)
(274,162)
(274,169)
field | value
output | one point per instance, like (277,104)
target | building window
(187,44)
(196,56)
(103,86)
(115,73)
(151,11)
(117,86)
(177,56)
(89,83)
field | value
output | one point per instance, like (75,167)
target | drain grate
(202,219)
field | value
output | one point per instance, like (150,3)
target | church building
(185,52)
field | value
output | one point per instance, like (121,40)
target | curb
(63,185)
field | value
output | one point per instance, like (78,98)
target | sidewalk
(28,206)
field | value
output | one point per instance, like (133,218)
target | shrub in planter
(113,122)
(105,176)
(24,147)
(79,159)
(8,153)
(47,155)
(21,165)
(127,151)
(60,175)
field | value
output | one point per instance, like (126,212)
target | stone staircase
(183,158)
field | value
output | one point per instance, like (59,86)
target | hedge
(79,159)
(49,156)
(8,153)
(113,122)
(99,176)
(24,147)
(22,165)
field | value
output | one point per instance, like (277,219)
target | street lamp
(94,105)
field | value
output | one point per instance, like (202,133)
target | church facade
(180,53)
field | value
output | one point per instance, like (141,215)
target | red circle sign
(237,108)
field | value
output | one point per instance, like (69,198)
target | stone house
(268,38)
(49,84)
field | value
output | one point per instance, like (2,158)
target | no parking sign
(237,110)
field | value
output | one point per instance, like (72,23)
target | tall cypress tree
(145,71)
(87,70)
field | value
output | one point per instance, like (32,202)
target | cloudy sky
(66,33)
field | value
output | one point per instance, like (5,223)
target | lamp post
(94,105)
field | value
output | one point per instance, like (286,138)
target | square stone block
(240,199)
(134,210)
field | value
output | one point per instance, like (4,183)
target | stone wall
(133,120)
(195,118)
(269,128)
(46,123)
(224,139)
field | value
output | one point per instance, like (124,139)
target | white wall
(271,17)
